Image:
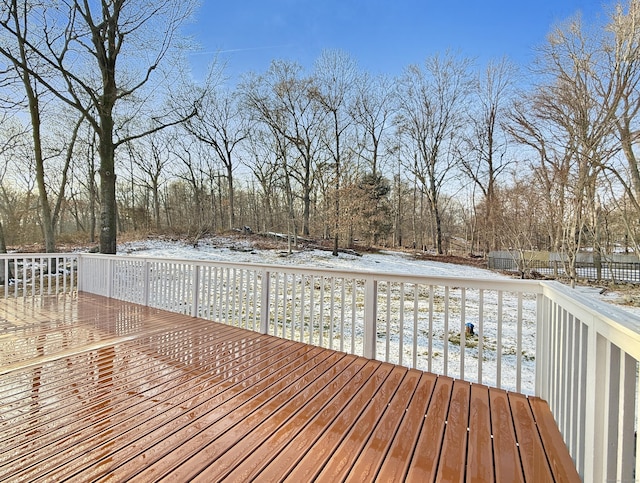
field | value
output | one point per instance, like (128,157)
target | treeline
(448,155)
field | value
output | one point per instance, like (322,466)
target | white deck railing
(540,338)
(38,274)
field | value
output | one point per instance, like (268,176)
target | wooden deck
(92,388)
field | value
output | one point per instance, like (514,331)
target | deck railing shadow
(535,337)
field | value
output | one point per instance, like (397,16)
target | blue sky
(382,36)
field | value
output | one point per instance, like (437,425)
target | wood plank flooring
(97,389)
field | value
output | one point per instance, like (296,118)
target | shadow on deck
(95,388)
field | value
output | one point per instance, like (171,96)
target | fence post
(110,263)
(594,430)
(145,284)
(370,315)
(195,290)
(264,302)
(79,274)
(5,266)
(542,351)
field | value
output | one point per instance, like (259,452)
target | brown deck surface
(92,388)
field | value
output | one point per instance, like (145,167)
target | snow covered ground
(229,249)
(239,250)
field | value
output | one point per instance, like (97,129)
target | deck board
(323,450)
(214,440)
(294,431)
(262,436)
(506,459)
(532,455)
(96,389)
(396,465)
(377,448)
(480,449)
(354,442)
(424,463)
(454,446)
(560,462)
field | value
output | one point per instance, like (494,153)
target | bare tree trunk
(108,214)
(34,113)
(232,214)
(156,202)
(47,220)
(92,210)
(438,229)
(336,214)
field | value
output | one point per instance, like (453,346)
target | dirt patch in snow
(457,260)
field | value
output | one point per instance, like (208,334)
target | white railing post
(195,290)
(595,396)
(145,283)
(626,420)
(542,343)
(110,263)
(6,277)
(370,315)
(264,302)
(79,274)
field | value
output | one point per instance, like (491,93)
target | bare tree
(573,101)
(200,171)
(372,113)
(85,178)
(33,98)
(99,59)
(484,157)
(431,115)
(550,162)
(520,221)
(334,79)
(281,100)
(269,154)
(22,64)
(619,44)
(11,133)
(219,123)
(151,155)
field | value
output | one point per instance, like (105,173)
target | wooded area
(448,155)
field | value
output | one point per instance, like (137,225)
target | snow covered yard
(230,249)
(431,317)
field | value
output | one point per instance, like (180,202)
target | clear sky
(383,36)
